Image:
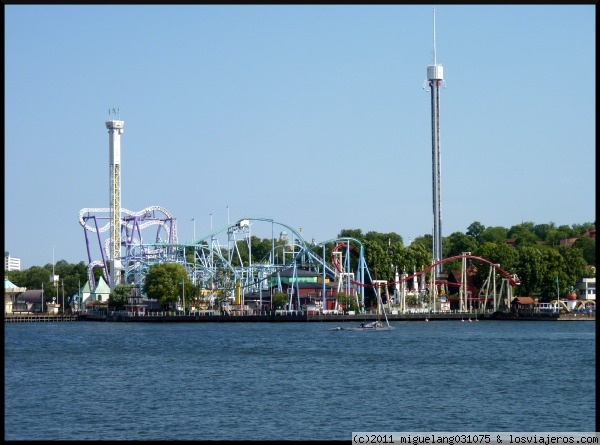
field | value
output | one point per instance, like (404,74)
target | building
(11,263)
(10,294)
(30,302)
(96,297)
(586,289)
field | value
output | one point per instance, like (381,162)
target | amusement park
(231,270)
(232,265)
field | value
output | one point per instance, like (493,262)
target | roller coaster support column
(324,291)
(463,283)
(361,276)
(403,293)
(378,284)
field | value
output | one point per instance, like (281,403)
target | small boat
(372,326)
(377,325)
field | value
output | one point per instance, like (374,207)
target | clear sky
(312,115)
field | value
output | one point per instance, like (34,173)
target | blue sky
(312,115)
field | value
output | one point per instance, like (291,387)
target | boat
(372,326)
(376,325)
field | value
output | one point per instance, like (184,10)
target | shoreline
(278,318)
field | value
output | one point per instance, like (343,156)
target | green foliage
(532,271)
(378,261)
(347,301)
(166,282)
(523,234)
(119,296)
(71,277)
(384,239)
(352,233)
(280,299)
(457,243)
(475,230)
(587,246)
(494,235)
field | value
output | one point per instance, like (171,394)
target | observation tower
(435,78)
(115,130)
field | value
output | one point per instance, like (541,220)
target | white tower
(435,77)
(115,130)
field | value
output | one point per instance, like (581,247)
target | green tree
(523,234)
(384,239)
(496,234)
(164,283)
(575,265)
(419,256)
(475,230)
(355,233)
(554,267)
(119,296)
(280,299)
(378,261)
(587,246)
(502,254)
(457,243)
(532,271)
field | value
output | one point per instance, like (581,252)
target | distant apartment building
(11,263)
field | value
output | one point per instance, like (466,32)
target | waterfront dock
(38,318)
(166,317)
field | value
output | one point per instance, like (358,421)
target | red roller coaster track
(505,274)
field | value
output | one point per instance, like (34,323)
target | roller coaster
(222,259)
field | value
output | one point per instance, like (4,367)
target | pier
(30,318)
(172,317)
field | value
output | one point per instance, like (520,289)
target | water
(294,381)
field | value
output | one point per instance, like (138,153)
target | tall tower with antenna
(435,77)
(115,130)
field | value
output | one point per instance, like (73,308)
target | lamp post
(194,242)
(211,241)
(183,287)
(54,280)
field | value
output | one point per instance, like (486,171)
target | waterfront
(215,317)
(253,381)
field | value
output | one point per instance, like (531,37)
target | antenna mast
(434,53)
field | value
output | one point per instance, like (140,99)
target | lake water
(294,381)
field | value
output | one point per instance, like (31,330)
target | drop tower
(435,78)
(115,130)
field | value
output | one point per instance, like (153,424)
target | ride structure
(115,130)
(435,79)
(222,261)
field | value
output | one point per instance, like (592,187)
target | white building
(101,293)
(586,289)
(10,292)
(11,263)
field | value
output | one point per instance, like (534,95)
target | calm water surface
(255,381)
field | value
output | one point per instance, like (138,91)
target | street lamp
(54,280)
(183,287)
